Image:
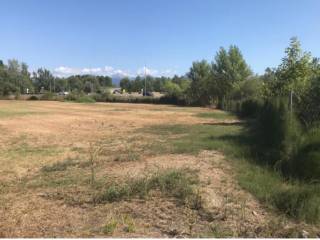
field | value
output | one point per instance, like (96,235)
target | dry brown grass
(40,198)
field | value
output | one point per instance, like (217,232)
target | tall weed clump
(276,132)
(306,162)
(284,144)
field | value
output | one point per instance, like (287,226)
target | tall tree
(43,80)
(229,69)
(125,84)
(200,75)
(295,71)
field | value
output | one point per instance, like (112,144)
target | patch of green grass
(58,179)
(296,199)
(24,150)
(165,130)
(194,138)
(171,182)
(53,181)
(217,115)
(4,113)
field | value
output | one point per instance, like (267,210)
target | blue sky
(121,36)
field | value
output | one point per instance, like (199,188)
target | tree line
(16,79)
(228,78)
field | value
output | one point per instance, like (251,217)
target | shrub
(47,96)
(71,97)
(102,97)
(276,132)
(17,96)
(110,227)
(80,98)
(309,107)
(306,163)
(85,99)
(33,98)
(172,100)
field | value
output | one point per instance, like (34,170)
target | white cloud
(91,70)
(108,69)
(64,71)
(147,71)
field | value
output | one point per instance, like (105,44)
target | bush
(80,98)
(306,163)
(309,107)
(102,97)
(85,99)
(32,98)
(172,100)
(47,96)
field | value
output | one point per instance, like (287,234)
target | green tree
(172,89)
(295,71)
(104,81)
(229,69)
(6,86)
(199,90)
(125,83)
(248,89)
(26,82)
(43,80)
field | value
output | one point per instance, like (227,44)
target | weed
(218,231)
(171,182)
(110,227)
(128,223)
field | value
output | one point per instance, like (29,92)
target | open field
(127,170)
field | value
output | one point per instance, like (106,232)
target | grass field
(132,170)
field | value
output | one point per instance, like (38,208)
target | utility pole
(145,81)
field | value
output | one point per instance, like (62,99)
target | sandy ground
(37,134)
